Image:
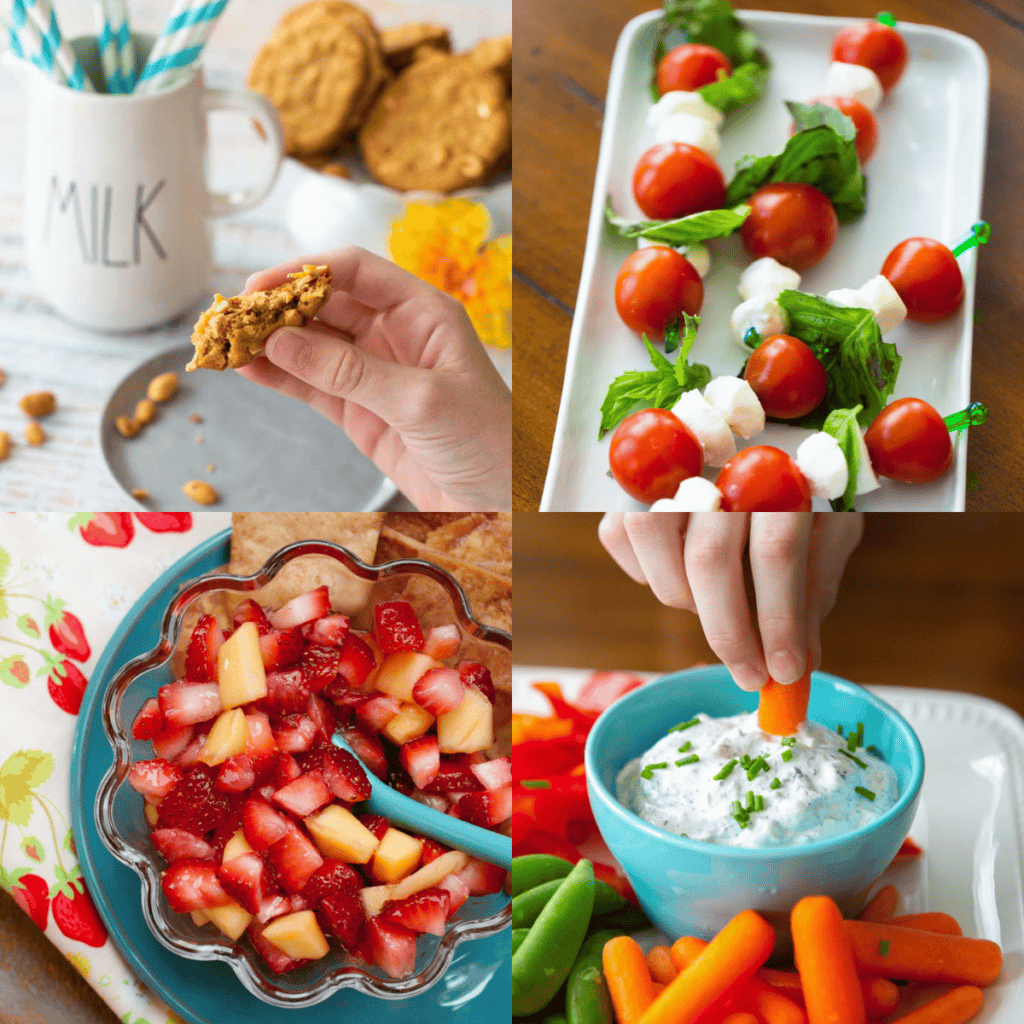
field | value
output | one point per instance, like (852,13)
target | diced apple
(235,847)
(410,723)
(227,737)
(297,935)
(232,919)
(396,856)
(467,728)
(200,917)
(152,813)
(340,834)
(399,672)
(374,897)
(240,671)
(430,874)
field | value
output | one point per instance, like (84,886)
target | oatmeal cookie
(494,55)
(232,332)
(401,42)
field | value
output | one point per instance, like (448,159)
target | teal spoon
(405,812)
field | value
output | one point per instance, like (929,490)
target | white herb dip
(816,797)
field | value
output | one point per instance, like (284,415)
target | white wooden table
(40,351)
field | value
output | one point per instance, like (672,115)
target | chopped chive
(856,760)
(743,822)
(873,750)
(685,747)
(684,725)
(865,792)
(787,755)
(737,807)
(535,784)
(750,800)
(726,770)
(759,801)
(745,762)
(649,769)
(839,729)
(692,759)
(788,741)
(775,784)
(860,734)
(851,743)
(883,948)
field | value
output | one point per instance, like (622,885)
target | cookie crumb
(126,427)
(34,434)
(195,418)
(39,403)
(200,492)
(140,494)
(199,439)
(3,376)
(210,468)
(5,444)
(163,387)
(145,411)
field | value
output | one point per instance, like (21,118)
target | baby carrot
(659,963)
(740,1018)
(629,981)
(934,921)
(782,708)
(955,1007)
(908,954)
(832,991)
(882,905)
(881,996)
(658,987)
(731,957)
(685,950)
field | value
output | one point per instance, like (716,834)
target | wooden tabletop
(562,62)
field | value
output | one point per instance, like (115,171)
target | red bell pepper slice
(604,688)
(539,841)
(540,759)
(561,708)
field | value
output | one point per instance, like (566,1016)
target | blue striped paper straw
(107,46)
(36,22)
(180,44)
(125,44)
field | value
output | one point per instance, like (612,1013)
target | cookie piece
(442,125)
(402,41)
(232,332)
(315,73)
(494,55)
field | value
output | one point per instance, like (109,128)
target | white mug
(116,198)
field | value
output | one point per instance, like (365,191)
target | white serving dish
(970,821)
(925,178)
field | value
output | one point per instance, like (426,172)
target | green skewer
(979,234)
(886,19)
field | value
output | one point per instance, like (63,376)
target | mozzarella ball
(697,255)
(734,398)
(821,460)
(866,479)
(878,296)
(696,494)
(767,276)
(708,426)
(852,80)
(680,102)
(665,505)
(762,313)
(692,130)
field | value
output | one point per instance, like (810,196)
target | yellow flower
(80,964)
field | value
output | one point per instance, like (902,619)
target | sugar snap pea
(536,869)
(543,961)
(518,937)
(587,999)
(527,905)
(556,1018)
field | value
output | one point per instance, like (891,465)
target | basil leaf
(811,116)
(697,227)
(818,156)
(743,86)
(861,368)
(842,425)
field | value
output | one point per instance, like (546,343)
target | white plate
(970,821)
(925,178)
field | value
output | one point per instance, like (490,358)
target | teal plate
(477,986)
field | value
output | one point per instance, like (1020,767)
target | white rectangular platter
(925,178)
(970,821)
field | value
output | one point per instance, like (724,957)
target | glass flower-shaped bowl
(119,810)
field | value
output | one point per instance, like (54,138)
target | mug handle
(220,204)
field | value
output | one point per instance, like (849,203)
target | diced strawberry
(236,774)
(375,712)
(280,648)
(295,859)
(331,630)
(177,844)
(458,892)
(442,642)
(489,808)
(481,878)
(228,826)
(421,759)
(342,916)
(357,661)
(343,774)
(194,804)
(368,750)
(154,779)
(332,878)
(391,947)
(494,774)
(375,823)
(277,959)
(286,770)
(424,911)
(286,692)
(201,653)
(399,779)
(319,666)
(303,608)
(191,754)
(297,903)
(396,628)
(295,733)
(468,759)
(261,824)
(250,611)
(431,851)
(453,778)
(271,907)
(187,703)
(439,690)
(193,885)
(260,745)
(343,696)
(319,711)
(247,879)
(149,721)
(172,740)
(304,795)
(479,676)
(435,800)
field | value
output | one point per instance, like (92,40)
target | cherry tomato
(652,453)
(873,45)
(655,284)
(690,66)
(786,376)
(763,479)
(793,223)
(927,277)
(862,118)
(673,179)
(909,442)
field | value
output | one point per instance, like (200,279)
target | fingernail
(784,667)
(748,677)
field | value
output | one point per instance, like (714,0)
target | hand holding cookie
(396,364)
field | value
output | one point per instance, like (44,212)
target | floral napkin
(65,584)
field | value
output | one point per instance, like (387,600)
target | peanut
(3,376)
(200,492)
(163,387)
(39,403)
(126,427)
(140,494)
(195,418)
(5,444)
(34,433)
(145,411)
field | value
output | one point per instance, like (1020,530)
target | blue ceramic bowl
(693,888)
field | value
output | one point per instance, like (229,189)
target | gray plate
(270,452)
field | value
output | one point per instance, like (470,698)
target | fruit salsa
(256,811)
